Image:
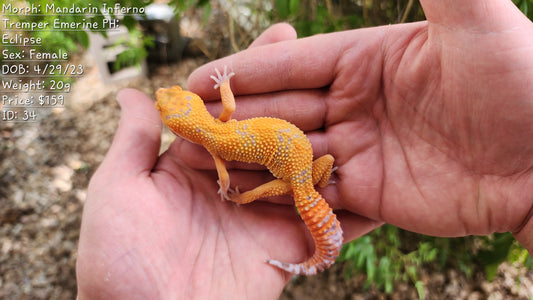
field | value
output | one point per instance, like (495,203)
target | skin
(430,123)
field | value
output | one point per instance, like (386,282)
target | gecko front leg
(226,95)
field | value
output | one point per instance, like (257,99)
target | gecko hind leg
(275,187)
(322,169)
(225,194)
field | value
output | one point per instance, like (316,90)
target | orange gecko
(277,144)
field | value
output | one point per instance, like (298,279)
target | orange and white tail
(326,232)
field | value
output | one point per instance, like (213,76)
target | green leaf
(491,271)
(206,13)
(83,38)
(129,22)
(294,6)
(500,249)
(282,7)
(202,3)
(419,285)
(370,268)
(386,275)
(524,7)
(529,262)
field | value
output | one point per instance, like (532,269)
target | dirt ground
(44,171)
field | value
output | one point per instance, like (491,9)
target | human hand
(153,227)
(431,123)
(430,133)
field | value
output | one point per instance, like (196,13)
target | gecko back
(279,145)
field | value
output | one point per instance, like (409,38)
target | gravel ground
(46,167)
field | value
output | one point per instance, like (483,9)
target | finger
(304,108)
(296,64)
(308,63)
(354,226)
(269,70)
(275,33)
(137,140)
(473,15)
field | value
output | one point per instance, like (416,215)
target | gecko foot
(234,195)
(220,78)
(230,194)
(227,193)
(335,168)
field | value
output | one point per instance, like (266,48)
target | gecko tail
(327,235)
(324,256)
(299,269)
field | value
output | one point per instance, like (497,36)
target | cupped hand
(431,123)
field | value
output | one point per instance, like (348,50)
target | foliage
(390,255)
(318,19)
(70,41)
(498,248)
(183,5)
(526,6)
(380,256)
(326,16)
(321,16)
(134,49)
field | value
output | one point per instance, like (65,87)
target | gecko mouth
(161,96)
(158,99)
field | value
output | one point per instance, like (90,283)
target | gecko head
(178,108)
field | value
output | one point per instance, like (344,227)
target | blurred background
(48,157)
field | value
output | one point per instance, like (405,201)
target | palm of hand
(166,233)
(444,135)
(427,125)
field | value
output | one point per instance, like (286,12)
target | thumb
(197,80)
(136,144)
(474,15)
(275,33)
